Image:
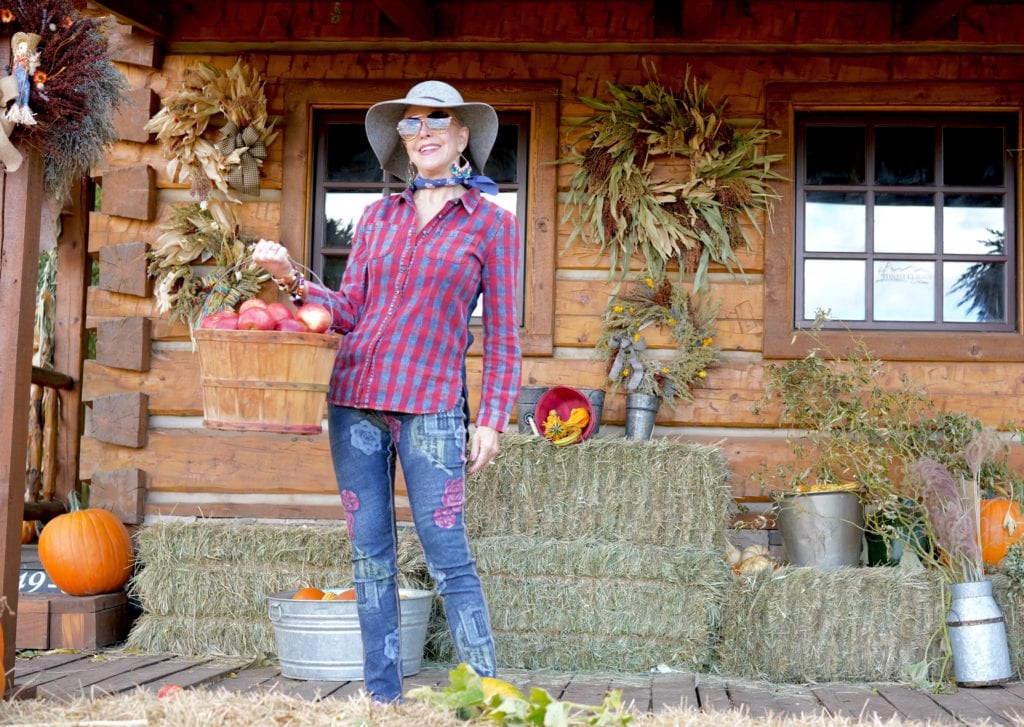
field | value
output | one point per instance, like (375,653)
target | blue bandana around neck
(473,181)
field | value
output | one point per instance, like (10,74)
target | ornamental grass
(646,493)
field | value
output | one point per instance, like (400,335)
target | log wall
(187,470)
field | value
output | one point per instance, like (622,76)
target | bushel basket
(265,381)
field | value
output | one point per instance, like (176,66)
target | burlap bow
(244,177)
(9,156)
(628,355)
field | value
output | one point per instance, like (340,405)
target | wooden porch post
(20,207)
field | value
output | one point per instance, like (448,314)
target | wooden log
(137,106)
(138,48)
(122,491)
(121,419)
(130,192)
(123,269)
(44,511)
(51,379)
(51,426)
(34,453)
(124,343)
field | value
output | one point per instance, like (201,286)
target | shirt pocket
(383,239)
(456,247)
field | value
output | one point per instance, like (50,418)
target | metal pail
(641,414)
(321,640)
(821,529)
(977,636)
(527,402)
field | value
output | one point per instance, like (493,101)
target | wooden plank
(150,677)
(33,624)
(123,269)
(25,667)
(74,684)
(249,679)
(21,195)
(1001,701)
(857,703)
(755,701)
(635,696)
(37,678)
(137,106)
(914,704)
(713,696)
(793,703)
(553,683)
(122,491)
(124,343)
(312,690)
(120,419)
(201,674)
(346,690)
(130,192)
(965,706)
(584,689)
(673,690)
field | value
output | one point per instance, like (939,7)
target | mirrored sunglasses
(409,128)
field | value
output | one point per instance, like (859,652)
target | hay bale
(851,624)
(656,492)
(203,585)
(588,604)
(1012,604)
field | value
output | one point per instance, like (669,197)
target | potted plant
(649,306)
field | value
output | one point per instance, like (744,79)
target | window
(347,177)
(330,174)
(899,215)
(902,221)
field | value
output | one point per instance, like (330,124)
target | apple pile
(258,315)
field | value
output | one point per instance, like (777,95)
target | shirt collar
(470,200)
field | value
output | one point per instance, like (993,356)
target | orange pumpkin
(1002,525)
(28,531)
(86,552)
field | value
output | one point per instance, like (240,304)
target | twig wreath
(660,303)
(64,105)
(618,203)
(208,96)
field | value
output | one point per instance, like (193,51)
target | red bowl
(563,399)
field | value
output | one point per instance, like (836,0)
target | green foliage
(465,696)
(1013,568)
(617,203)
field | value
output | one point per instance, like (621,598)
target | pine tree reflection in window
(981,286)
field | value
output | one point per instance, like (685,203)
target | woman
(419,261)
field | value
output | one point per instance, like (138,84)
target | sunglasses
(409,128)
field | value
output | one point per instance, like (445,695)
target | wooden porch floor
(92,674)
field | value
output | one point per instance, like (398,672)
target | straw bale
(1012,606)
(587,604)
(850,624)
(661,491)
(202,636)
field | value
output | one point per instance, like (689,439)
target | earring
(462,169)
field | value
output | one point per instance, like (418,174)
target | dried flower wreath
(658,303)
(74,89)
(617,202)
(232,161)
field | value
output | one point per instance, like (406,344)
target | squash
(752,551)
(28,531)
(755,564)
(1002,525)
(732,554)
(86,552)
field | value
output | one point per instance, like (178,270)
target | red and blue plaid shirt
(405,302)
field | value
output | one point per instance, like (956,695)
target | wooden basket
(265,381)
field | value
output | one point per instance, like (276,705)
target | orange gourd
(28,531)
(1002,525)
(86,552)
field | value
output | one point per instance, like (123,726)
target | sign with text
(32,580)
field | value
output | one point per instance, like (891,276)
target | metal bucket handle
(275,612)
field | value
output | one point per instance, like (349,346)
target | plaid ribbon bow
(244,177)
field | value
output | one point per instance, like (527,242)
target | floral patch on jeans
(454,494)
(444,517)
(350,503)
(365,437)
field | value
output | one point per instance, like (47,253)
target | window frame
(304,97)
(783,102)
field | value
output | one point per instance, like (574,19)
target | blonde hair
(30,39)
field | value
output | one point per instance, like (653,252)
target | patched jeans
(431,448)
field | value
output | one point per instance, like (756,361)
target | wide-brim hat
(383,117)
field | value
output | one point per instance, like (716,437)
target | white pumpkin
(755,564)
(732,554)
(752,551)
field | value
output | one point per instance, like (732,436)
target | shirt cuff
(493,419)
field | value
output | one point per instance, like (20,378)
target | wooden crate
(59,621)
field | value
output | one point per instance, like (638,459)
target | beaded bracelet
(294,284)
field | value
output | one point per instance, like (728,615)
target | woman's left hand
(483,449)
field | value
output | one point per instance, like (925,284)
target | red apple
(227,321)
(168,690)
(290,324)
(255,319)
(279,312)
(316,317)
(251,303)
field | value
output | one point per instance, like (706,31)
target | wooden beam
(53,379)
(415,18)
(21,195)
(150,17)
(925,19)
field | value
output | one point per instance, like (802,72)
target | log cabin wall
(145,447)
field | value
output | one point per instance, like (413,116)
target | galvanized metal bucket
(821,529)
(527,402)
(641,413)
(977,636)
(321,640)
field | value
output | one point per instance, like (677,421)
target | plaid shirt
(405,301)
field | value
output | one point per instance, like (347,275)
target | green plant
(666,306)
(617,202)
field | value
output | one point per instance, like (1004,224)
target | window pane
(834,222)
(905,223)
(973,156)
(835,155)
(904,155)
(334,266)
(836,286)
(349,156)
(343,210)
(503,162)
(974,292)
(904,290)
(974,224)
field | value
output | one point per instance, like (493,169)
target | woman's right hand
(273,258)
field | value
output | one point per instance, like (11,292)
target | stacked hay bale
(1011,602)
(850,624)
(203,585)
(603,555)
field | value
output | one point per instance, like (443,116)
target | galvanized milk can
(977,636)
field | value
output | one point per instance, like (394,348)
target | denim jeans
(431,448)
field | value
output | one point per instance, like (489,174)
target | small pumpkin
(28,531)
(1002,525)
(732,555)
(755,564)
(86,552)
